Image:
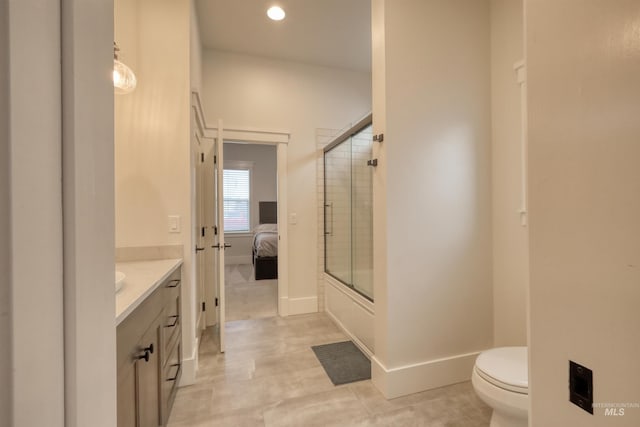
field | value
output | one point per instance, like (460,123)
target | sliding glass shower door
(362,212)
(337,212)
(348,209)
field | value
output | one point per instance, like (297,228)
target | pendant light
(124,80)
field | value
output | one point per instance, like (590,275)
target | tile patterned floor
(269,376)
(247,298)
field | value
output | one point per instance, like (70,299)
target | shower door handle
(328,224)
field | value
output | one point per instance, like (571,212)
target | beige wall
(152,144)
(253,92)
(88,214)
(195,47)
(152,123)
(5,225)
(36,213)
(510,238)
(436,296)
(49,381)
(379,110)
(583,93)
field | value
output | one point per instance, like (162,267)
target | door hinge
(215,230)
(202,157)
(379,137)
(216,301)
(204,306)
(203,232)
(215,160)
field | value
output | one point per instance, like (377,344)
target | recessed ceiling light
(276,13)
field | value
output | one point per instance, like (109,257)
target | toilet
(500,378)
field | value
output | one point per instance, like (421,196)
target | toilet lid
(505,367)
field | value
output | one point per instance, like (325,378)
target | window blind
(237,201)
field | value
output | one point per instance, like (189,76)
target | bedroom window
(237,203)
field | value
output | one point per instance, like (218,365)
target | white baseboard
(283,306)
(237,259)
(301,305)
(418,377)
(190,367)
(200,323)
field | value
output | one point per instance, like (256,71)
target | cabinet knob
(147,351)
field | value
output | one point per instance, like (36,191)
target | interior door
(210,254)
(220,244)
(200,233)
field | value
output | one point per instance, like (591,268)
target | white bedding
(265,240)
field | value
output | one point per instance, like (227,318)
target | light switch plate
(293,218)
(174,223)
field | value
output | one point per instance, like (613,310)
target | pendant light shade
(124,80)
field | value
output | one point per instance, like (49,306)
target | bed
(265,242)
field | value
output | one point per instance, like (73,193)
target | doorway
(209,143)
(251,230)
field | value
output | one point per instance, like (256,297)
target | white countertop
(142,278)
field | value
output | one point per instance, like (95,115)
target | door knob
(199,249)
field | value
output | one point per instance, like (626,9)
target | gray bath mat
(343,362)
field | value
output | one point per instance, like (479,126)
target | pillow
(268,228)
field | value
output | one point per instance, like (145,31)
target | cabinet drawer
(172,323)
(147,385)
(174,280)
(170,379)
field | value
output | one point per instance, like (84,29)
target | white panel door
(199,232)
(220,244)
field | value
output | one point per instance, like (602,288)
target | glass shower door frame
(329,223)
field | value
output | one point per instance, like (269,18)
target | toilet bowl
(501,380)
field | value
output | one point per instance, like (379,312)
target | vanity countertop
(142,278)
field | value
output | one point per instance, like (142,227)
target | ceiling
(333,33)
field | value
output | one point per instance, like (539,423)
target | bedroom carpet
(343,362)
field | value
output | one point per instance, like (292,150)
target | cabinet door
(127,395)
(147,373)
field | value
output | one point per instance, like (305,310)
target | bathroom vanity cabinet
(149,357)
